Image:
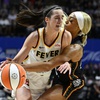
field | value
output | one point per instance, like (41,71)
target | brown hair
(30,17)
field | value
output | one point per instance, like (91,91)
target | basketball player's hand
(3,63)
(64,68)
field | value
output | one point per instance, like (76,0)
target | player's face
(56,20)
(72,25)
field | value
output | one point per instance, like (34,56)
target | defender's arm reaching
(72,52)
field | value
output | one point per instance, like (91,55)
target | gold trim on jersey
(60,34)
(27,56)
(43,38)
(40,40)
(73,72)
(62,38)
(40,30)
(69,91)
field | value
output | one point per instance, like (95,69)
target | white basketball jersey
(43,52)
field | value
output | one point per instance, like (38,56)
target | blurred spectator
(4,25)
(12,17)
(93,92)
(92,7)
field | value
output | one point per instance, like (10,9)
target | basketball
(13,76)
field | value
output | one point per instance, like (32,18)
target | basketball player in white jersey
(40,46)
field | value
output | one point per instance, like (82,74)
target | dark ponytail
(30,17)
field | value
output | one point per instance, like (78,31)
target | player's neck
(50,32)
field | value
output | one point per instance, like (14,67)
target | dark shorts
(72,91)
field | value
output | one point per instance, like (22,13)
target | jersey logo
(41,48)
(47,54)
(76,82)
(57,45)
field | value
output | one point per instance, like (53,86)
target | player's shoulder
(67,35)
(40,29)
(35,33)
(63,30)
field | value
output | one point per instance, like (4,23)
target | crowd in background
(9,28)
(91,91)
(10,8)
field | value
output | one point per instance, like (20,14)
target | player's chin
(58,28)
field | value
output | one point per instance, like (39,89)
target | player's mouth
(58,26)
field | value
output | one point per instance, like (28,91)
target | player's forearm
(36,67)
(73,52)
(69,53)
(46,66)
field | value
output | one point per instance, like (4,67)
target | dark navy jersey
(71,82)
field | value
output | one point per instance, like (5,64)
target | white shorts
(38,83)
(35,93)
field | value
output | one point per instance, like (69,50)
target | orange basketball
(13,76)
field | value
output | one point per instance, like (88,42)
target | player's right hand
(3,63)
(65,68)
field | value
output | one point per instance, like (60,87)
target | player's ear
(46,19)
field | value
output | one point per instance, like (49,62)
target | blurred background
(13,35)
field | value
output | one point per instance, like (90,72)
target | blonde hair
(86,28)
(85,24)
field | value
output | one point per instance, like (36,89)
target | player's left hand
(64,68)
